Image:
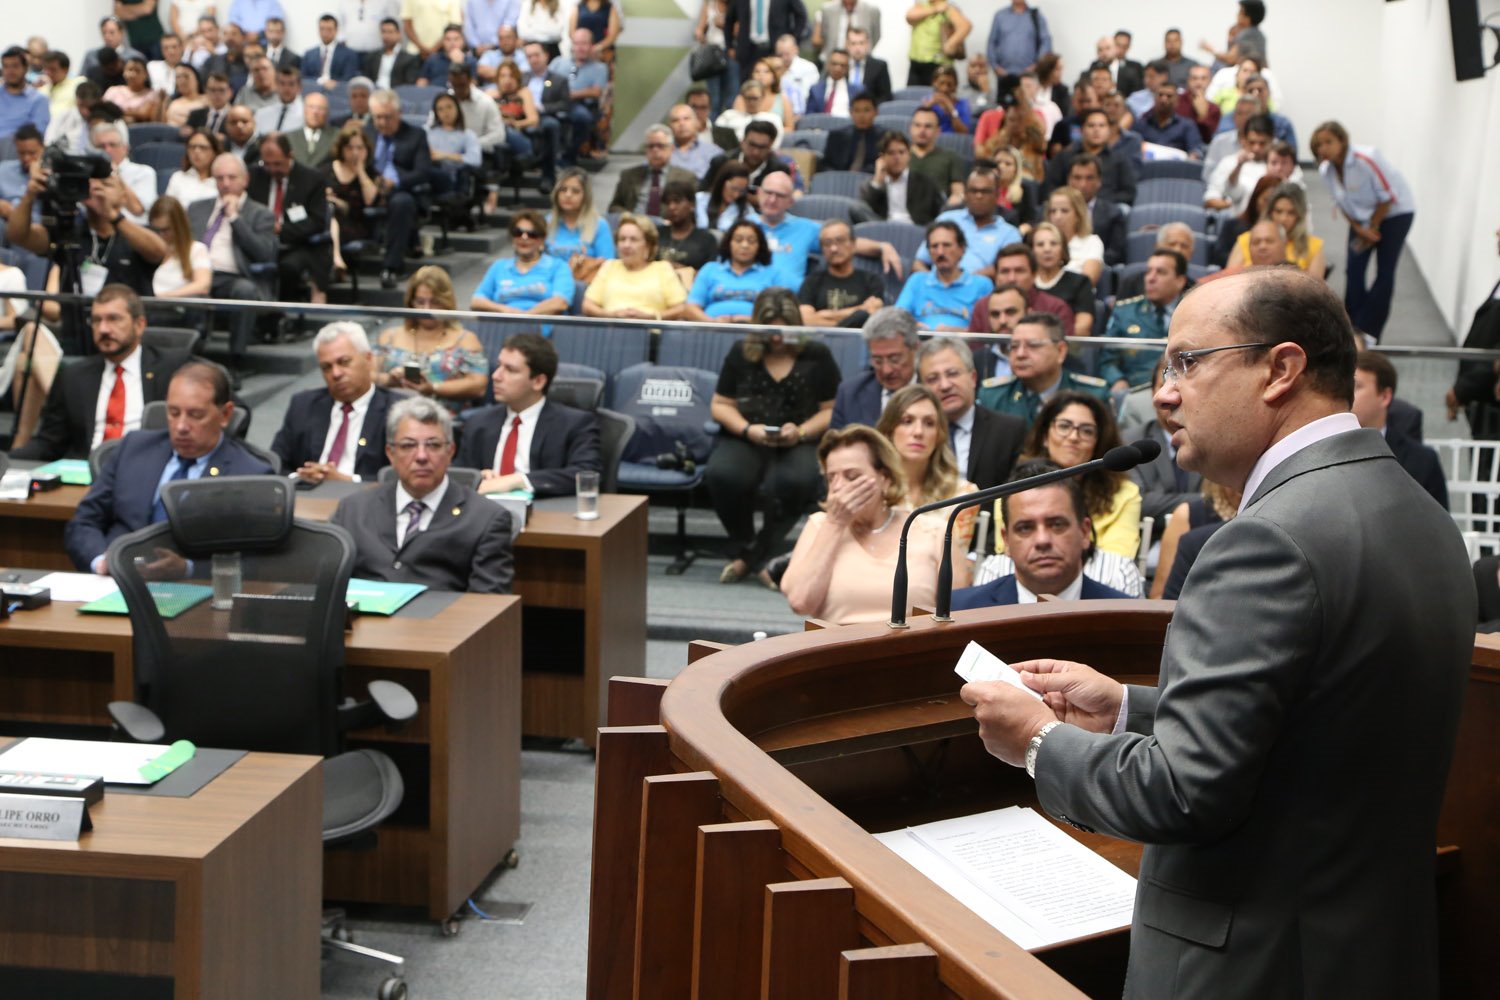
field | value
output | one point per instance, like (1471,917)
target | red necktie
(828,101)
(508,453)
(280,196)
(114,413)
(341,439)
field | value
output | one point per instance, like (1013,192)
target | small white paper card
(979,665)
(296,213)
(15,484)
(78,587)
(42,817)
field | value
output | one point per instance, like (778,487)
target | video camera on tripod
(68,177)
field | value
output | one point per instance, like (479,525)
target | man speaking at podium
(1286,772)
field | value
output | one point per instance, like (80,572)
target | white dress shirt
(141,179)
(1302,437)
(270,119)
(960,435)
(527,430)
(429,507)
(840,99)
(1072,592)
(356,431)
(134,402)
(387,63)
(895,197)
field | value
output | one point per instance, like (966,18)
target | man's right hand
(316,472)
(1077,694)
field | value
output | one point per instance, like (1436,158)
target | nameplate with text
(43,817)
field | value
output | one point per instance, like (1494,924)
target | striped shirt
(1369,182)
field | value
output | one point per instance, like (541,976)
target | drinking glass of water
(588,496)
(226,574)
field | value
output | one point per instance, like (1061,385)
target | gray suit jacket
(1286,772)
(254,231)
(1158,479)
(466,547)
(314,156)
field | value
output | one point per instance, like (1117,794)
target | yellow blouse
(1314,244)
(655,288)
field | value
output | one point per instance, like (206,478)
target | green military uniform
(1008,394)
(1134,317)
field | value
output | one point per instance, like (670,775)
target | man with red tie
(831,95)
(528,442)
(100,397)
(640,188)
(298,200)
(337,432)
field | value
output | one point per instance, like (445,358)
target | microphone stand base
(942,618)
(897,625)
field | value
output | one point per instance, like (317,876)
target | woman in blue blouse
(453,146)
(575,231)
(952,111)
(725,289)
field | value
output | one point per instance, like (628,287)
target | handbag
(707,61)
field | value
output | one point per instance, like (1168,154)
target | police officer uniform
(1134,317)
(1008,394)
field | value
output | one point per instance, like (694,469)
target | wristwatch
(1036,745)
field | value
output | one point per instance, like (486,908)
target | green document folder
(72,471)
(373,597)
(172,599)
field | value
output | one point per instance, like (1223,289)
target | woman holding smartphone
(436,357)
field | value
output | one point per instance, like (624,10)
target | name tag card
(43,817)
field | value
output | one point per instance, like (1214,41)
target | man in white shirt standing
(361,20)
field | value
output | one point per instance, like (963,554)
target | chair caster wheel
(342,933)
(512,859)
(451,927)
(393,988)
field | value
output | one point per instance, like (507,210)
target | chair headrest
(230,513)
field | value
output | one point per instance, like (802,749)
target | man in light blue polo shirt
(532,281)
(792,237)
(943,298)
(984,231)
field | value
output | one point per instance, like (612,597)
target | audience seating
(7,148)
(615,430)
(906,237)
(144,132)
(415,97)
(891,123)
(33,266)
(686,348)
(845,183)
(1170,191)
(606,348)
(579,386)
(815,141)
(1140,244)
(959,144)
(1150,170)
(900,106)
(911,94)
(1158,214)
(820,122)
(828,206)
(172,338)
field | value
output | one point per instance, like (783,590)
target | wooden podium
(734,810)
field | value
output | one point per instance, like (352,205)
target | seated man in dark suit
(296,196)
(985,442)
(527,442)
(892,342)
(832,94)
(858,146)
(399,161)
(899,193)
(330,61)
(1374,387)
(127,494)
(100,397)
(864,69)
(425,528)
(337,432)
(640,188)
(215,116)
(391,65)
(238,233)
(1048,534)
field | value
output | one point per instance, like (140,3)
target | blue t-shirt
(567,242)
(718,291)
(940,306)
(505,284)
(791,242)
(981,244)
(27,107)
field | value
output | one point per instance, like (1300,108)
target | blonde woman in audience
(575,231)
(1067,211)
(186,271)
(636,285)
(913,422)
(1287,207)
(1017,203)
(1054,277)
(435,357)
(195,180)
(842,566)
(135,96)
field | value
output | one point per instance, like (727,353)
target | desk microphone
(1119,459)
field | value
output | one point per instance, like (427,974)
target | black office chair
(615,430)
(266,673)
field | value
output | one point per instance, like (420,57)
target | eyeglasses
(406,447)
(525,234)
(1084,432)
(1181,363)
(1031,345)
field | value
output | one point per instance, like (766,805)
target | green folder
(72,471)
(172,599)
(374,597)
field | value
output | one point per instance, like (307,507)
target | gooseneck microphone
(1119,459)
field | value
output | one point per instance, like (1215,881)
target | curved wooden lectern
(734,808)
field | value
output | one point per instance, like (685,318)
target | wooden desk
(214,895)
(459,758)
(583,584)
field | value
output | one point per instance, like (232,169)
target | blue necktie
(158,511)
(760,18)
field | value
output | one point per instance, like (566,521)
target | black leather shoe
(388,278)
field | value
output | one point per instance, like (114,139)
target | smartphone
(413,371)
(771,431)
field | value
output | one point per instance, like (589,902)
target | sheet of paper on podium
(1022,875)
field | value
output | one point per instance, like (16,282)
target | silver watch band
(1035,746)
